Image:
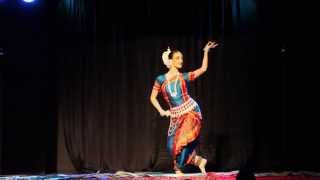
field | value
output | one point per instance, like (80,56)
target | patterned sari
(185,120)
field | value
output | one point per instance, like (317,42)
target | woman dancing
(185,115)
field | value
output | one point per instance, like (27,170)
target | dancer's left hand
(210,45)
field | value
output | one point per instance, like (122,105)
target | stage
(233,175)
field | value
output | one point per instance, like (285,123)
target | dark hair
(172,53)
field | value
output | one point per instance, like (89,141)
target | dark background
(76,76)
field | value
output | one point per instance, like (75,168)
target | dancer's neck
(173,70)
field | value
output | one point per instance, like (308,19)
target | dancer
(185,115)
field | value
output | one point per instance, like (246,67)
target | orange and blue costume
(185,120)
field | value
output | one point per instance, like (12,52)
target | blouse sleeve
(189,76)
(157,83)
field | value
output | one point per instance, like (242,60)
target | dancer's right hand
(166,113)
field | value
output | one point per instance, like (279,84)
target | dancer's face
(177,60)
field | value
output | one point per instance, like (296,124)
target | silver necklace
(174,93)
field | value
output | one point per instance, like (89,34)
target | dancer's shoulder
(160,78)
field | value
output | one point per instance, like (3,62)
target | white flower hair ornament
(165,57)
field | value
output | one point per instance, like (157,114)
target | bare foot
(179,173)
(202,165)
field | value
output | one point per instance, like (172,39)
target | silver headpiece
(165,57)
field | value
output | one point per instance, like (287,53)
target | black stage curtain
(109,59)
(89,65)
(27,89)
